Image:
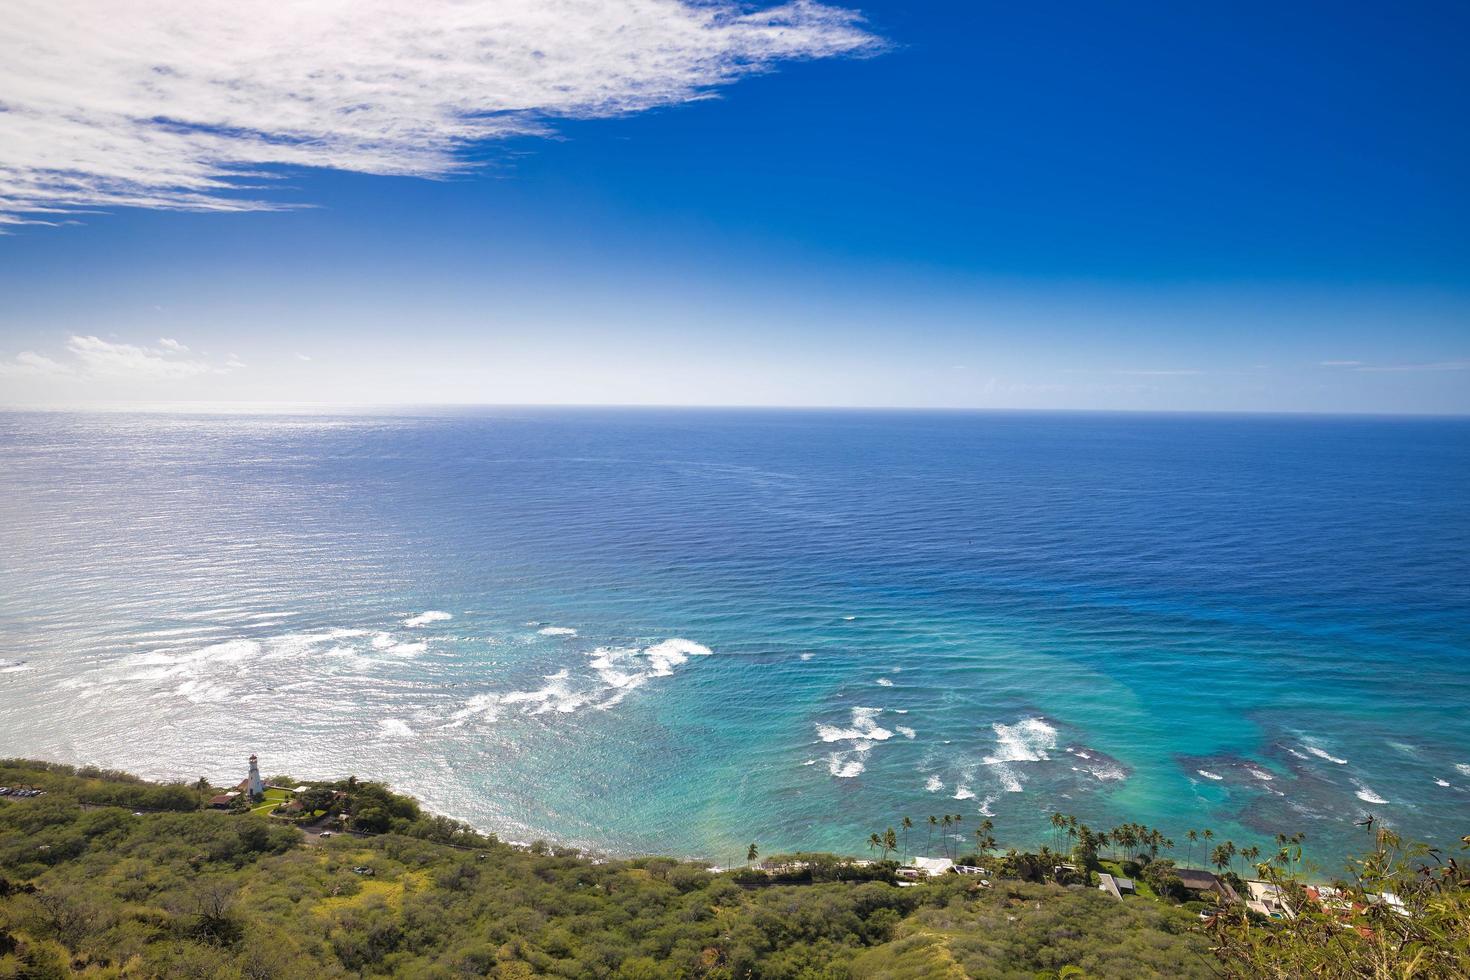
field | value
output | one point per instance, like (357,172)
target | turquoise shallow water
(682,631)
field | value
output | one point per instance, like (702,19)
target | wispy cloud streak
(189,105)
(93,357)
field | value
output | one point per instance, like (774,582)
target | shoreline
(1308,874)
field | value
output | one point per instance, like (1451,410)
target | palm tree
(946,823)
(933,822)
(984,839)
(1220,857)
(751,853)
(890,842)
(1057,823)
(1126,837)
(874,842)
(907,826)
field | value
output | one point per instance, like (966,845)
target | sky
(1123,206)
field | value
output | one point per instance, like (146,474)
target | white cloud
(175,104)
(303,357)
(31,364)
(95,357)
(1175,373)
(1435,366)
(1350,364)
(168,343)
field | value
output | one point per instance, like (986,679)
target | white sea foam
(1027,740)
(394,728)
(202,692)
(13,666)
(934,784)
(1209,775)
(864,727)
(848,619)
(985,806)
(1365,794)
(483,705)
(1440,782)
(883,682)
(900,711)
(810,762)
(807,656)
(1463,767)
(862,734)
(963,793)
(556,695)
(1010,780)
(1319,753)
(905,731)
(1260,773)
(1107,773)
(557,631)
(425,618)
(1294,752)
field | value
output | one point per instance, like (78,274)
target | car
(137,813)
(325,833)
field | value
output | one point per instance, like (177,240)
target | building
(1269,900)
(224,800)
(252,784)
(1114,886)
(928,867)
(1206,881)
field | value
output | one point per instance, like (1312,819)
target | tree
(890,842)
(1191,836)
(317,798)
(907,826)
(751,853)
(874,842)
(929,844)
(984,839)
(1163,879)
(1058,824)
(1424,932)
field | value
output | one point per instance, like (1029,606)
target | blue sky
(1126,206)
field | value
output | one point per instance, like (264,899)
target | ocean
(660,631)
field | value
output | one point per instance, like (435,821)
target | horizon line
(387,408)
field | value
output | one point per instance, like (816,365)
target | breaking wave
(1321,754)
(861,735)
(425,618)
(1365,794)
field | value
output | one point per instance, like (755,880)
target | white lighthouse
(254,786)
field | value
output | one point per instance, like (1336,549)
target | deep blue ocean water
(790,627)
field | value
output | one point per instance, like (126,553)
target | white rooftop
(934,866)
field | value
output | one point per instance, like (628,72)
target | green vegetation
(96,891)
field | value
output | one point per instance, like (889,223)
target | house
(1115,886)
(929,867)
(1206,881)
(224,800)
(1269,900)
